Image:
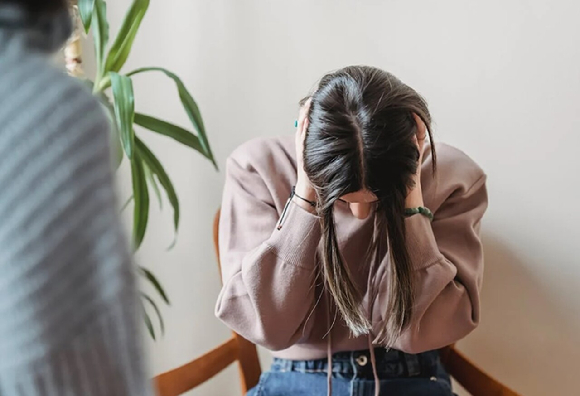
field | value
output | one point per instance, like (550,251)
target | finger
(420,146)
(421,128)
(301,135)
(303,116)
(418,142)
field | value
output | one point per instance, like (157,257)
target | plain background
(503,82)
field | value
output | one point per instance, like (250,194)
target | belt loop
(413,365)
(354,366)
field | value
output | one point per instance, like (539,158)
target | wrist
(421,210)
(415,198)
(303,204)
(305,191)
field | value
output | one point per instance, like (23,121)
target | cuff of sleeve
(421,243)
(296,238)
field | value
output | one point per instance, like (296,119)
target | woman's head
(42,25)
(361,147)
(38,7)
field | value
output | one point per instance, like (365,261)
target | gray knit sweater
(68,323)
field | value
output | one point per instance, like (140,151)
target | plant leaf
(124,100)
(157,169)
(86,8)
(189,105)
(153,183)
(148,323)
(100,36)
(103,84)
(124,41)
(170,130)
(151,278)
(115,138)
(141,197)
(157,311)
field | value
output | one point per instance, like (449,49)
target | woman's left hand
(415,195)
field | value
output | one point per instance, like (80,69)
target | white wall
(503,82)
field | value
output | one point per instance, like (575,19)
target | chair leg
(249,364)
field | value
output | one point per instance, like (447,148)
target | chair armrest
(178,381)
(472,378)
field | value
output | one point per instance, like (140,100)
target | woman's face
(360,203)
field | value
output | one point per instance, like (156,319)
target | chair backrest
(182,379)
(249,362)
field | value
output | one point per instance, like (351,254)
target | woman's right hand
(303,186)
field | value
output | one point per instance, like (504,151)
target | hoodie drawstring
(374,364)
(371,295)
(329,356)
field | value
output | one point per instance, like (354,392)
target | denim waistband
(390,364)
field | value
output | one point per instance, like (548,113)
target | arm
(447,256)
(67,293)
(268,269)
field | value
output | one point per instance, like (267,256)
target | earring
(296,124)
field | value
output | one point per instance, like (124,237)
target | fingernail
(296,124)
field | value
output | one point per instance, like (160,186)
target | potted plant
(115,89)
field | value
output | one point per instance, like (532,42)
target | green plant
(147,172)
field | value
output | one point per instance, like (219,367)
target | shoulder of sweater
(59,94)
(455,165)
(456,175)
(73,91)
(55,113)
(264,152)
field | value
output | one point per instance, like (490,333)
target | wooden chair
(190,375)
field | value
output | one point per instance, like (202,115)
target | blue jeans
(400,374)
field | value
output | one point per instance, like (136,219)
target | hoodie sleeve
(447,258)
(268,261)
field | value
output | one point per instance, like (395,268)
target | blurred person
(352,250)
(68,302)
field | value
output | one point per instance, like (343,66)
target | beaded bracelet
(420,210)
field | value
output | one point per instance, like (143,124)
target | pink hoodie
(271,293)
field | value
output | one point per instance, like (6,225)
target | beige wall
(503,82)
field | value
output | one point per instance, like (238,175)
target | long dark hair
(360,136)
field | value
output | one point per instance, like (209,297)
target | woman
(68,305)
(374,262)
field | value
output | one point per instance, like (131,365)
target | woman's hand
(303,186)
(415,195)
